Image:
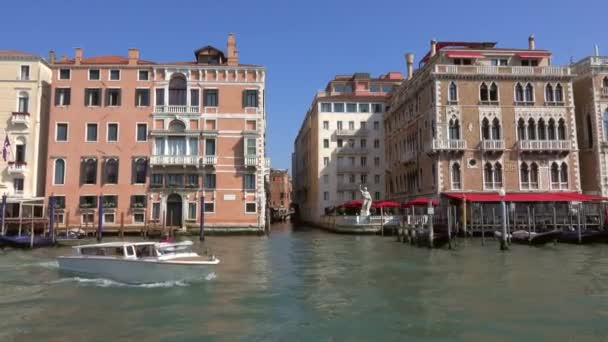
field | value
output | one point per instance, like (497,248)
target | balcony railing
(502,70)
(20,118)
(17,167)
(448,144)
(163,160)
(492,145)
(250,161)
(177,109)
(353,168)
(351,132)
(605,91)
(544,145)
(351,150)
(209,160)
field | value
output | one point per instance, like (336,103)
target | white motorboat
(139,262)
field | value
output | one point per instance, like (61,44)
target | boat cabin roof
(115,244)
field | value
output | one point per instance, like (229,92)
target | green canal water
(307,285)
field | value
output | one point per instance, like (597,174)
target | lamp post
(503,209)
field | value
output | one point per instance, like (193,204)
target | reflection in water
(305,284)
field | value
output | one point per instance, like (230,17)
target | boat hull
(537,239)
(134,271)
(586,237)
(24,241)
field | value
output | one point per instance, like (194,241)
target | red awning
(525,197)
(423,201)
(352,204)
(463,54)
(533,54)
(385,204)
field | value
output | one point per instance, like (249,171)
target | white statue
(367,201)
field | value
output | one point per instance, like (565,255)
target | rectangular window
(142,132)
(94,74)
(193,142)
(377,196)
(363,124)
(143,75)
(376,179)
(91,132)
(192,181)
(351,107)
(142,97)
(249,181)
(364,107)
(88,218)
(376,125)
(376,161)
(351,125)
(160,96)
(138,201)
(25,72)
(325,143)
(18,185)
(210,97)
(339,107)
(194,97)
(250,208)
(112,132)
(250,146)
(192,211)
(363,143)
(325,196)
(88,171)
(363,179)
(59,202)
(363,161)
(250,98)
(113,97)
(326,125)
(114,75)
(499,61)
(88,202)
(156,180)
(175,180)
(110,201)
(339,125)
(209,207)
(210,147)
(374,88)
(325,161)
(387,88)
(376,143)
(92,97)
(209,181)
(64,74)
(326,107)
(340,142)
(138,218)
(61,132)
(156,211)
(377,107)
(62,96)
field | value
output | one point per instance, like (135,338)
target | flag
(5,148)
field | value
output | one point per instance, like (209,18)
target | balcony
(20,118)
(353,168)
(502,70)
(544,145)
(209,161)
(448,145)
(250,161)
(604,91)
(177,109)
(351,150)
(161,160)
(492,145)
(17,167)
(351,132)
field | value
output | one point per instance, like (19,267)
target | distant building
(24,111)
(340,145)
(280,189)
(591,100)
(474,118)
(153,138)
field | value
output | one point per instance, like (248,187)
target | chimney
(78,56)
(52,57)
(531,43)
(433,47)
(133,56)
(64,58)
(409,60)
(233,53)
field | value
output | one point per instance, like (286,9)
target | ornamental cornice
(536,112)
(503,77)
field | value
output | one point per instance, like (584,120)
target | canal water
(307,285)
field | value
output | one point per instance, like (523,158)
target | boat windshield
(174,249)
(144,251)
(103,251)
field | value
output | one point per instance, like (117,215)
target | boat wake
(102,282)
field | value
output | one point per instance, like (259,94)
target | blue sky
(303,44)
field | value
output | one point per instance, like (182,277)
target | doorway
(174,210)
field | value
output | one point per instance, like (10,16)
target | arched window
(519,93)
(554,176)
(485,129)
(496,129)
(531,129)
(534,176)
(521,129)
(483,92)
(90,171)
(139,174)
(524,173)
(542,130)
(549,93)
(178,90)
(111,171)
(493,92)
(177,126)
(23,102)
(453,92)
(551,129)
(59,178)
(605,123)
(489,176)
(561,129)
(454,130)
(529,93)
(455,176)
(564,176)
(559,93)
(497,175)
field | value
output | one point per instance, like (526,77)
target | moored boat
(25,241)
(533,238)
(139,262)
(586,236)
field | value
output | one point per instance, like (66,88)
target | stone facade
(280,189)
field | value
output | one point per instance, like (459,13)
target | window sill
(525,103)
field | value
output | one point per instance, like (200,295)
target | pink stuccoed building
(153,138)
